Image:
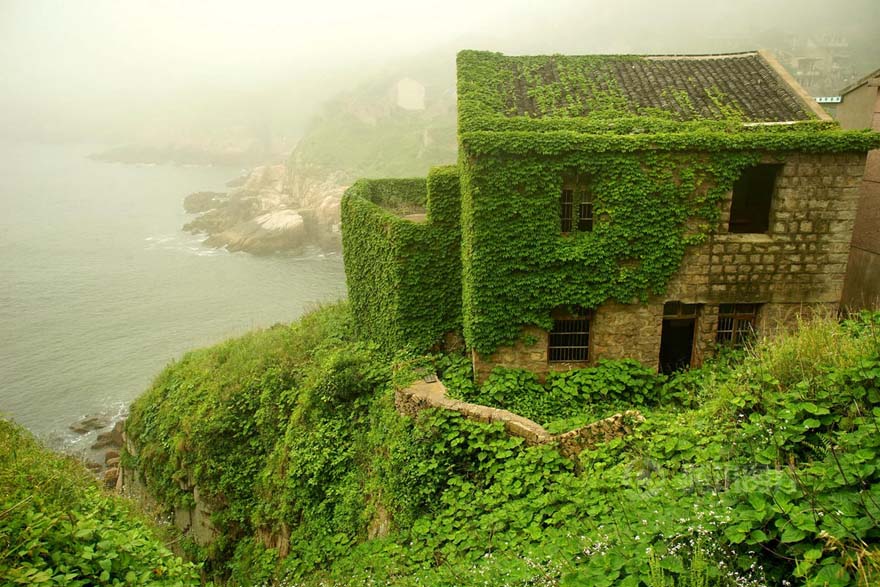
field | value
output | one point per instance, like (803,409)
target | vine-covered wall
(648,208)
(659,180)
(404,274)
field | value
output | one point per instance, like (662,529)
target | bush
(58,528)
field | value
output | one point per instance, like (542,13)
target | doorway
(677,336)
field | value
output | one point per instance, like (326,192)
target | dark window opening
(752,197)
(736,323)
(576,212)
(567,206)
(585,212)
(677,336)
(569,340)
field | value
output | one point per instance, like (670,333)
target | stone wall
(797,267)
(861,109)
(427,394)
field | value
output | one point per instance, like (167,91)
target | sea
(100,288)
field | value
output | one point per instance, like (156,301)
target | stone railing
(431,393)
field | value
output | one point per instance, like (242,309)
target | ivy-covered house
(649,207)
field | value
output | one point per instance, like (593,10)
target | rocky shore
(269,210)
(107,446)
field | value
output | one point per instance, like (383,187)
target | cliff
(401,124)
(757,468)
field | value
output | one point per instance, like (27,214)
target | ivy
(657,178)
(519,266)
(404,277)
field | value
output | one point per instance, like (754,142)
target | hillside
(759,469)
(399,124)
(58,528)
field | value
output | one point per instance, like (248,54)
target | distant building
(859,108)
(410,94)
(610,207)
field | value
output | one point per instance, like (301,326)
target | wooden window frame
(576,212)
(736,323)
(569,339)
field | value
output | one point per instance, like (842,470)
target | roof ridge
(701,56)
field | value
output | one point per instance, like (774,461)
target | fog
(111,71)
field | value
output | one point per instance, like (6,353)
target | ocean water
(100,288)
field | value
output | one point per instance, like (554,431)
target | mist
(114,72)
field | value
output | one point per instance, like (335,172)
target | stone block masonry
(795,269)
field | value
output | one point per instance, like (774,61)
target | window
(576,211)
(569,340)
(736,323)
(585,212)
(567,205)
(752,195)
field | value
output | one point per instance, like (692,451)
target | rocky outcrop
(194,522)
(199,202)
(270,211)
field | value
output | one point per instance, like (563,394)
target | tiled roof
(688,87)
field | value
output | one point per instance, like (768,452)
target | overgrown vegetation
(759,469)
(404,276)
(656,176)
(58,528)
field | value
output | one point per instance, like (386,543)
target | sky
(107,68)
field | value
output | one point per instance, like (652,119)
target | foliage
(363,133)
(58,528)
(575,396)
(519,267)
(753,470)
(404,276)
(657,179)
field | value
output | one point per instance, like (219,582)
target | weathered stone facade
(797,267)
(861,109)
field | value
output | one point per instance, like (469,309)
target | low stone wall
(431,393)
(571,443)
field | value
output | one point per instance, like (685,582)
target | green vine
(657,176)
(404,276)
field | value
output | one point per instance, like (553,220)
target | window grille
(585,212)
(736,323)
(576,205)
(567,207)
(569,340)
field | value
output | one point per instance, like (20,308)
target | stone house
(608,207)
(859,108)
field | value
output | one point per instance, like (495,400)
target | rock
(275,231)
(272,210)
(111,438)
(199,202)
(90,423)
(237,182)
(92,466)
(114,462)
(111,454)
(110,477)
(327,212)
